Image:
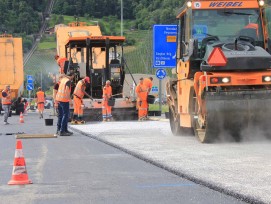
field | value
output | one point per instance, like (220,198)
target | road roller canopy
(95,41)
(226,20)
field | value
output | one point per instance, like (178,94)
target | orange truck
(223,81)
(11,69)
(99,57)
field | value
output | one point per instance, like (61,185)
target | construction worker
(148,83)
(106,109)
(78,94)
(142,105)
(61,63)
(63,101)
(6,103)
(40,99)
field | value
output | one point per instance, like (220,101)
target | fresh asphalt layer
(242,170)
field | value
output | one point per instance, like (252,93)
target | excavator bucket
(231,113)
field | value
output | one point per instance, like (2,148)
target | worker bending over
(78,95)
(40,99)
(148,83)
(142,105)
(106,109)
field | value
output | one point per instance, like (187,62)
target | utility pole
(121,17)
(41,79)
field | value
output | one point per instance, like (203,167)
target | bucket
(150,99)
(49,122)
(151,113)
(157,113)
(111,101)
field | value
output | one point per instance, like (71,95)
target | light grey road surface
(239,169)
(79,169)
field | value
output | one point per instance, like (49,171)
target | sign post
(164,52)
(30,85)
(160,74)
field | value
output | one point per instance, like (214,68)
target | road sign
(161,73)
(30,79)
(164,46)
(29,87)
(154,89)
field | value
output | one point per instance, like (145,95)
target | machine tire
(174,124)
(176,129)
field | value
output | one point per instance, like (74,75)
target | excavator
(222,85)
(99,57)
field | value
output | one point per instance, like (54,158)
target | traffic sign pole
(160,95)
(160,74)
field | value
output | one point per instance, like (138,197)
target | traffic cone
(21,118)
(19,173)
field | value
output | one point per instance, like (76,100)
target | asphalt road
(79,169)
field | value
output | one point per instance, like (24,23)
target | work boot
(67,131)
(64,134)
(83,122)
(57,133)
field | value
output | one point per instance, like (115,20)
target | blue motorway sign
(164,46)
(161,73)
(29,87)
(30,79)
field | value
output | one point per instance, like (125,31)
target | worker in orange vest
(106,109)
(40,100)
(142,105)
(61,62)
(79,92)
(63,100)
(6,103)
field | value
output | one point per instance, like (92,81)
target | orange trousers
(77,104)
(142,109)
(40,107)
(106,110)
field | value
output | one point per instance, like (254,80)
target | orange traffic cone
(21,118)
(19,173)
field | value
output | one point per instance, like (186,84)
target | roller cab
(223,80)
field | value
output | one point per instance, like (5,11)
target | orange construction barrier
(21,118)
(19,173)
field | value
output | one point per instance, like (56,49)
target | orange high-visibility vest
(107,92)
(148,83)
(40,97)
(142,91)
(61,63)
(78,91)
(63,92)
(6,100)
